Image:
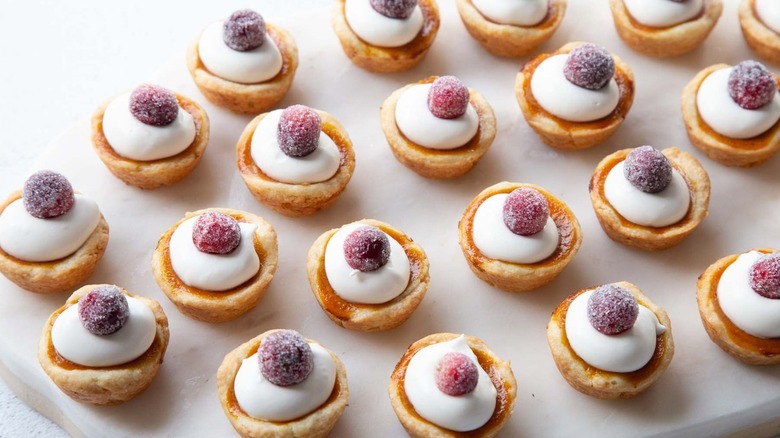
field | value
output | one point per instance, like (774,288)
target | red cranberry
(153,105)
(589,66)
(298,132)
(765,276)
(216,233)
(244,30)
(103,310)
(448,98)
(47,194)
(612,309)
(456,374)
(394,8)
(648,169)
(367,248)
(526,211)
(751,85)
(285,358)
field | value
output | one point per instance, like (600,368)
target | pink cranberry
(589,66)
(448,98)
(526,211)
(153,105)
(394,8)
(244,30)
(367,248)
(751,85)
(216,233)
(612,309)
(648,169)
(298,132)
(103,310)
(285,358)
(765,276)
(47,194)
(456,374)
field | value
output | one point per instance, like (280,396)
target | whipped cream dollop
(768,11)
(31,239)
(419,125)
(133,139)
(318,166)
(249,67)
(621,353)
(570,102)
(378,30)
(663,13)
(460,413)
(726,117)
(373,287)
(744,307)
(76,344)
(213,272)
(263,400)
(660,209)
(495,240)
(514,12)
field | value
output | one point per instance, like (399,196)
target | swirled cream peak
(514,12)
(745,308)
(378,30)
(768,11)
(249,67)
(663,13)
(419,125)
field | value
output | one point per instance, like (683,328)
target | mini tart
(296,199)
(433,163)
(749,349)
(57,275)
(317,423)
(369,317)
(152,174)
(562,134)
(763,40)
(517,277)
(665,41)
(725,150)
(210,306)
(607,384)
(500,373)
(506,39)
(247,98)
(628,233)
(386,59)
(103,385)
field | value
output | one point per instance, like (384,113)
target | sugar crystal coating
(751,85)
(298,132)
(526,211)
(47,194)
(285,358)
(456,374)
(153,105)
(394,8)
(448,98)
(244,30)
(612,309)
(216,233)
(765,276)
(648,169)
(367,248)
(589,66)
(104,310)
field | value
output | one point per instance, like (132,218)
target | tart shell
(763,40)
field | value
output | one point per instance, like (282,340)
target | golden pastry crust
(606,384)
(517,277)
(369,317)
(628,233)
(727,151)
(665,41)
(152,174)
(509,40)
(500,373)
(296,199)
(433,163)
(210,306)
(386,59)
(247,98)
(763,40)
(57,275)
(564,135)
(749,349)
(103,385)
(315,424)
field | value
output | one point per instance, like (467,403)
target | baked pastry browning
(315,424)
(510,40)
(605,384)
(103,385)
(501,376)
(730,338)
(763,40)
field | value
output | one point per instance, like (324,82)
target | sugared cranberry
(298,132)
(765,276)
(153,105)
(589,66)
(751,85)
(103,310)
(648,169)
(216,233)
(244,30)
(456,374)
(394,8)
(526,211)
(47,194)
(612,309)
(285,358)
(448,98)
(367,248)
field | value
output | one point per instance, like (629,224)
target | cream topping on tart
(663,13)
(748,310)
(245,67)
(380,30)
(514,12)
(768,12)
